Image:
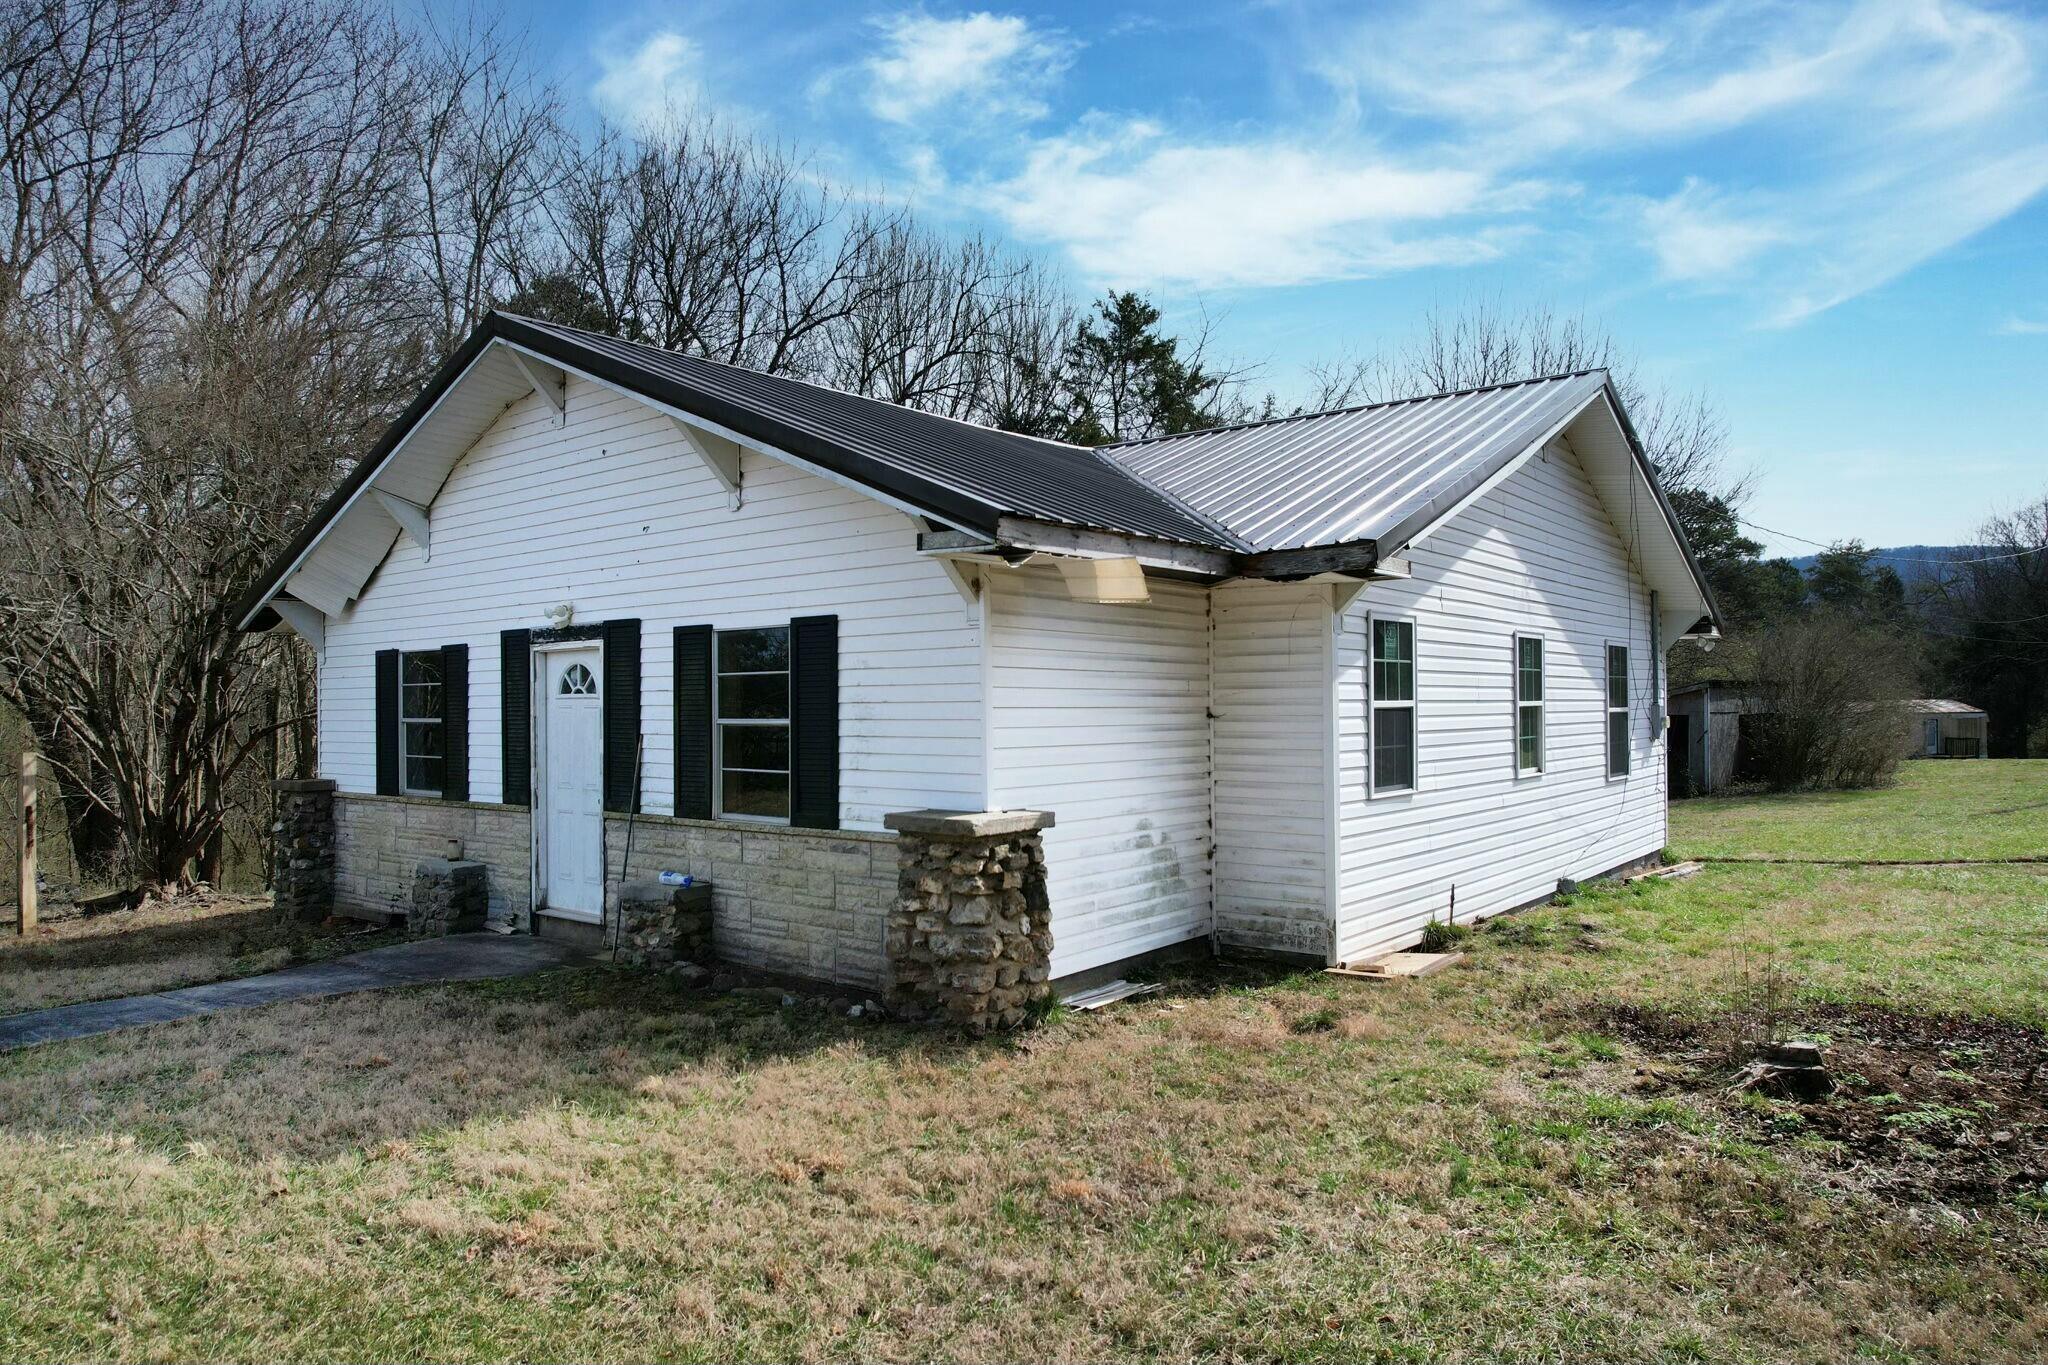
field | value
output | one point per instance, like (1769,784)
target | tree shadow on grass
(317,1079)
(157,948)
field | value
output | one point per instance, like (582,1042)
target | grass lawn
(1980,809)
(158,946)
(1484,1164)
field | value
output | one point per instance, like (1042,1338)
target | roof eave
(252,609)
(1649,472)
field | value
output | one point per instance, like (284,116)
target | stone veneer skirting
(380,841)
(808,902)
(811,903)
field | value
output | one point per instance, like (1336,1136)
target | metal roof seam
(1356,408)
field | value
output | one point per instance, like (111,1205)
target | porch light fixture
(560,614)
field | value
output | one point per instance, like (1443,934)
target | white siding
(1539,555)
(1271,651)
(615,514)
(1099,714)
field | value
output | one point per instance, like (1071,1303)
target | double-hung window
(1528,704)
(1617,710)
(423,752)
(752,714)
(1393,706)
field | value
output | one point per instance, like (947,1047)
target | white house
(599,610)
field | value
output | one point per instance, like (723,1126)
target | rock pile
(448,898)
(660,924)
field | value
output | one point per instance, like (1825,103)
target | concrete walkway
(459,957)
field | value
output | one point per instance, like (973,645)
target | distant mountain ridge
(1912,563)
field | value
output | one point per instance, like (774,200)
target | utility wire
(1909,559)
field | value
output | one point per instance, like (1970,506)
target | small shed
(1706,719)
(1940,728)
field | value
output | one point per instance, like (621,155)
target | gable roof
(1367,473)
(1942,706)
(965,473)
(1368,479)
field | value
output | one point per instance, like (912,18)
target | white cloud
(644,86)
(1135,207)
(981,64)
(2017,326)
(1843,144)
(1697,234)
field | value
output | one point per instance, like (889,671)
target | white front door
(572,782)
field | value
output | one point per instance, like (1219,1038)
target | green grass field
(1477,1166)
(1979,809)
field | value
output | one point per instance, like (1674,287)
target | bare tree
(1482,344)
(226,269)
(1991,629)
(488,151)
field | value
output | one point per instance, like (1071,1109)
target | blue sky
(1829,217)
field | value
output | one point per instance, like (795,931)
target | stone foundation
(447,898)
(303,844)
(803,902)
(659,925)
(970,937)
(380,842)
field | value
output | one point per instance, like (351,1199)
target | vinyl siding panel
(615,514)
(1537,555)
(1270,695)
(1100,715)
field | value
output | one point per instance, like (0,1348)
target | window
(578,681)
(1617,710)
(1528,703)
(1393,706)
(422,751)
(751,704)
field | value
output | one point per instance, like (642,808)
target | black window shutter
(814,722)
(455,721)
(387,722)
(621,714)
(515,714)
(693,722)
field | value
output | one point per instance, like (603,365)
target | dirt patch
(1945,1107)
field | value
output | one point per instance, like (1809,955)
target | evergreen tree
(1126,381)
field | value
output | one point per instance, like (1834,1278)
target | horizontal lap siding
(1270,648)
(615,514)
(1537,555)
(1100,715)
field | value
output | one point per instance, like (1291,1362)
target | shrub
(1825,696)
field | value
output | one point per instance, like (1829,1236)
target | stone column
(970,938)
(303,841)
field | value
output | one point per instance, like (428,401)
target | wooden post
(25,908)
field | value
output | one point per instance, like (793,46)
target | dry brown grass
(160,945)
(588,1165)
(593,1165)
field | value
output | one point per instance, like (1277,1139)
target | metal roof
(1377,473)
(1939,706)
(1374,477)
(965,473)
